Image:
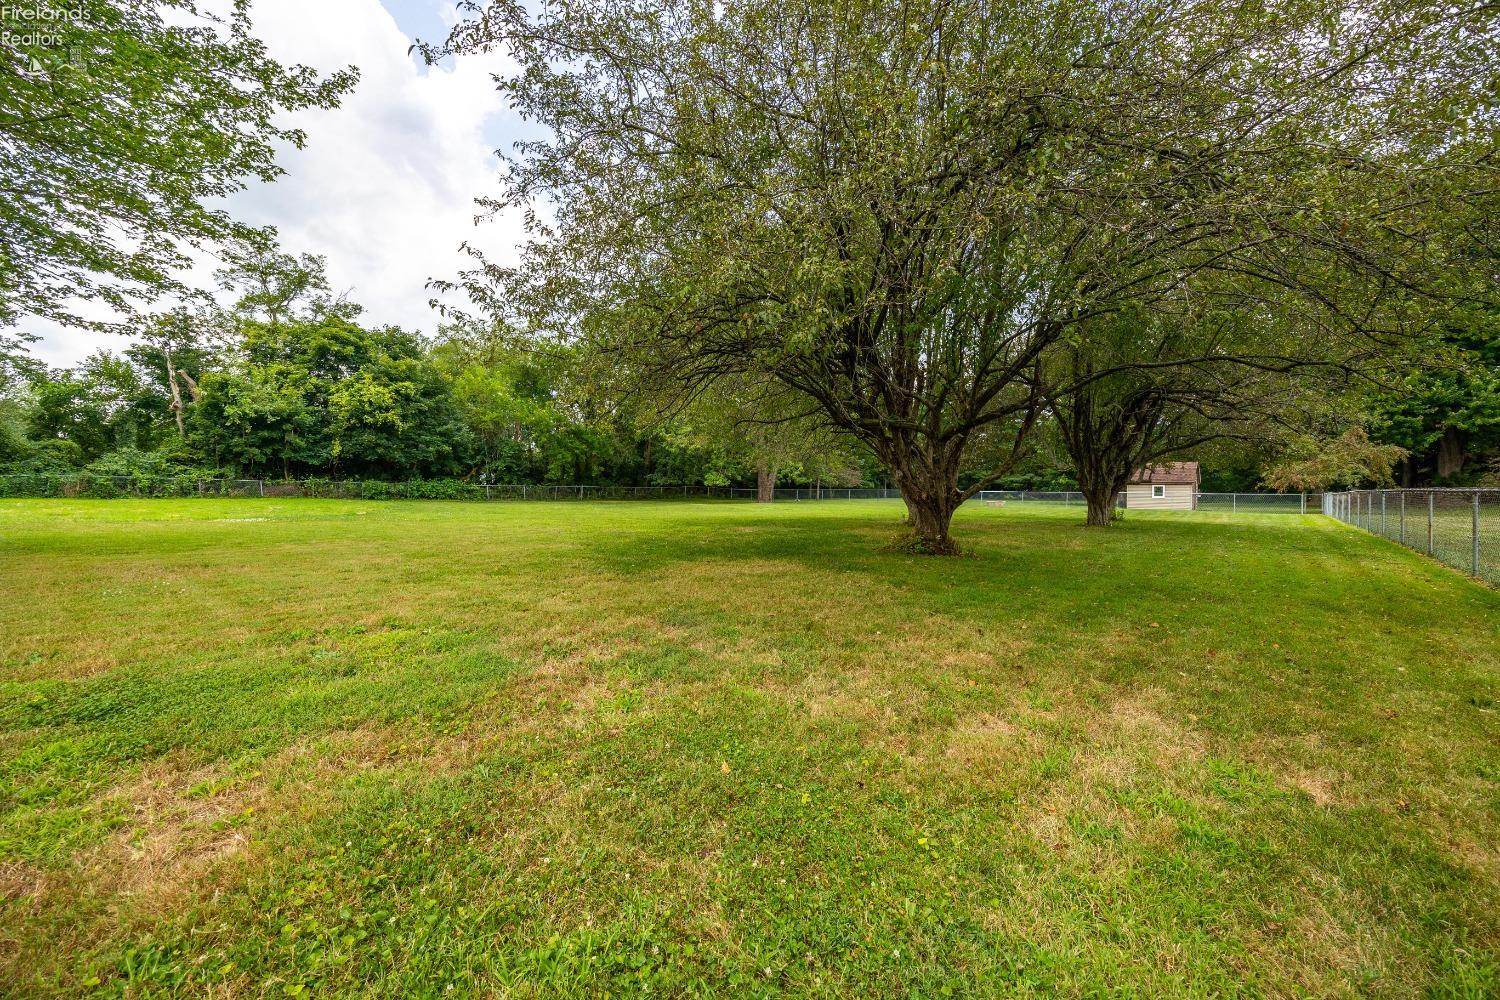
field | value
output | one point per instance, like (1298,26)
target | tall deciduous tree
(1447,406)
(101,405)
(120,124)
(1311,464)
(172,351)
(274,287)
(897,207)
(1128,389)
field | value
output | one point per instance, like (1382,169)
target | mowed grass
(314,748)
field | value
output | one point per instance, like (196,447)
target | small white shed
(1170,486)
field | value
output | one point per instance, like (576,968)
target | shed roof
(1168,473)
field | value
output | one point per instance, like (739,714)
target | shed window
(1158,492)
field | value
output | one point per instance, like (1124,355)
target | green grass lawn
(315,748)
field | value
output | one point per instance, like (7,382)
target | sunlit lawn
(322,748)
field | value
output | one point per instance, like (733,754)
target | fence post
(1402,517)
(1474,533)
(1431,508)
(1234,503)
(1382,512)
(262,483)
(1304,504)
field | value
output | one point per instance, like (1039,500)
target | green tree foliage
(513,399)
(258,419)
(17,366)
(325,395)
(102,405)
(1447,409)
(1352,459)
(1141,385)
(758,427)
(273,287)
(308,392)
(173,352)
(119,128)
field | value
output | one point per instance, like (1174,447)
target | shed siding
(1179,497)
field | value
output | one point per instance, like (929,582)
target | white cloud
(385,187)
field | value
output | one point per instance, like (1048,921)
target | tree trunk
(192,385)
(930,503)
(899,483)
(1100,487)
(765,483)
(176,394)
(1450,454)
(1101,508)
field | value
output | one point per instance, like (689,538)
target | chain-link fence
(1260,503)
(1228,503)
(108,487)
(1065,498)
(818,493)
(1460,527)
(105,487)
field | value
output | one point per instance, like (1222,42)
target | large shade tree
(1123,393)
(897,207)
(122,122)
(1223,365)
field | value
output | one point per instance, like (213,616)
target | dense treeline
(290,384)
(305,390)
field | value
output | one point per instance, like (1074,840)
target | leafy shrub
(442,489)
(134,463)
(47,457)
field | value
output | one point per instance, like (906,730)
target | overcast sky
(385,187)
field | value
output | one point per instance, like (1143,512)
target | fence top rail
(1419,489)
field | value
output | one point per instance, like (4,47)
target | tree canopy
(898,208)
(120,125)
